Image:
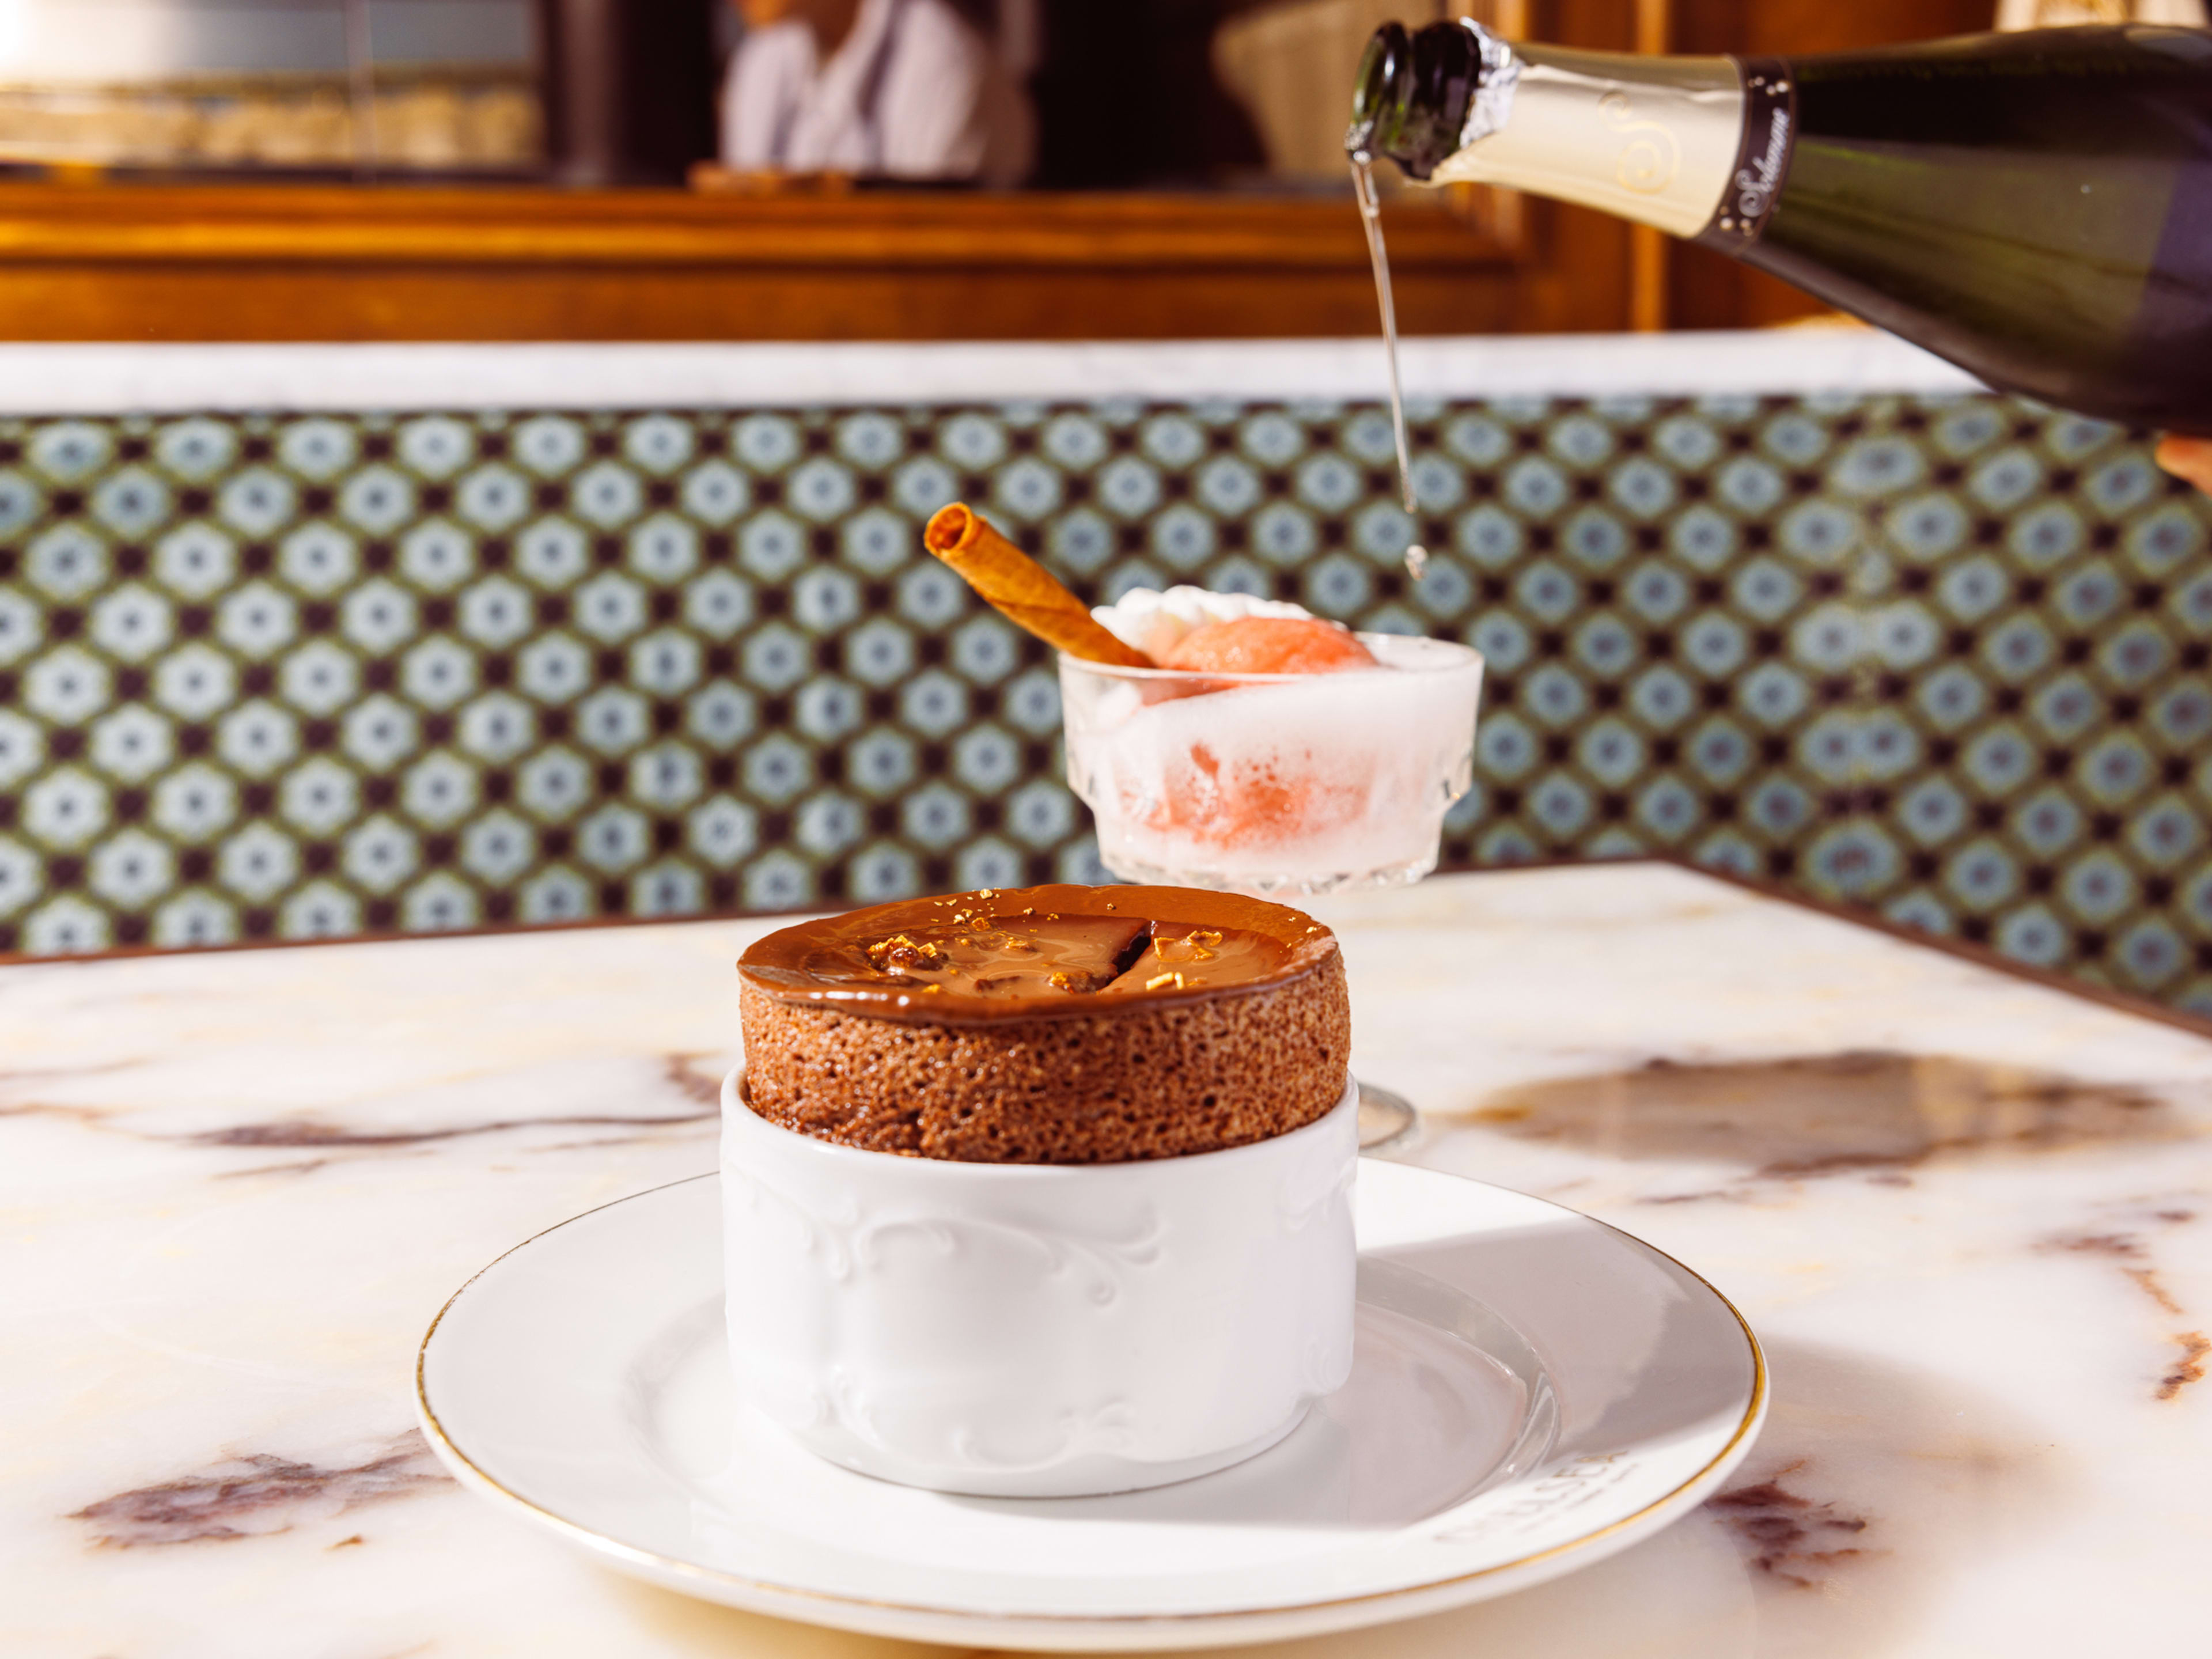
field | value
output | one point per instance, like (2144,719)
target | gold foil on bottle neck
(1651,139)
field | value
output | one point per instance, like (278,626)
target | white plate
(1531,1391)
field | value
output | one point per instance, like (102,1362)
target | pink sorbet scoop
(1269,645)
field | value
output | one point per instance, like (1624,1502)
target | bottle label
(1762,161)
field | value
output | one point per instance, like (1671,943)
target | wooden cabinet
(112,260)
(271,263)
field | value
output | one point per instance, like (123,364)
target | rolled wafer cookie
(1022,589)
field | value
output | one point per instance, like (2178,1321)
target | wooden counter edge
(261,224)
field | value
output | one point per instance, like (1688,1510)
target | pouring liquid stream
(1370,219)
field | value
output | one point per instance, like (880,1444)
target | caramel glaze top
(1018,953)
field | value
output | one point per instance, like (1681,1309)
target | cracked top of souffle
(1019,953)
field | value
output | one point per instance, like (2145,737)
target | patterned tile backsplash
(306,675)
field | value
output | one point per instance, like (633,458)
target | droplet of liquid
(1370,219)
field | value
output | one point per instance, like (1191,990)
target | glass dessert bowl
(1274,784)
(1244,744)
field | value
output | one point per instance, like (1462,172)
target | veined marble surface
(1971,1217)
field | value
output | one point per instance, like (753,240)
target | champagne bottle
(2035,207)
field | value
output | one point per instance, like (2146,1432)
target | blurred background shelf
(247,262)
(511,170)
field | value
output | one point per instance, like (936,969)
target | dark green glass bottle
(2035,207)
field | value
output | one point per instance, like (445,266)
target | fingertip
(2186,457)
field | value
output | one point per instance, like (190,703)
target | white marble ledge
(1971,1215)
(169,380)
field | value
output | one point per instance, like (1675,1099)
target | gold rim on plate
(1754,1410)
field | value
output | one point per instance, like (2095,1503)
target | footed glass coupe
(1283,786)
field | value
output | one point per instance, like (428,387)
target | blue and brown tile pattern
(312,676)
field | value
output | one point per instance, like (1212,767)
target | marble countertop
(1971,1217)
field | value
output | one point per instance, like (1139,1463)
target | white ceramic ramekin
(1037,1330)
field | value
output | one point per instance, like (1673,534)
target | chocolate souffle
(1058,1024)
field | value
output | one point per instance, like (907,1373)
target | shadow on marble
(1872,1486)
(1825,1114)
(667,1623)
